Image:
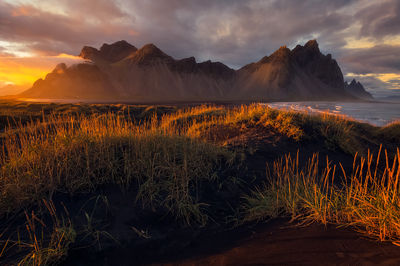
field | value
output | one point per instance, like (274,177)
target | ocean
(375,113)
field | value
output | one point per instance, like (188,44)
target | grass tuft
(367,200)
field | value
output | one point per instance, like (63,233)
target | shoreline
(383,118)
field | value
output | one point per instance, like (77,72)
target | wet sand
(282,244)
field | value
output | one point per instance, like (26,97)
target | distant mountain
(357,89)
(120,71)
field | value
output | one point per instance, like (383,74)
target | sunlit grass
(162,165)
(166,157)
(72,154)
(47,250)
(367,199)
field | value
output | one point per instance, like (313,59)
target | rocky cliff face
(320,66)
(120,71)
(303,73)
(150,56)
(357,89)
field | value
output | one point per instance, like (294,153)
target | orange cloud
(133,33)
(22,11)
(68,56)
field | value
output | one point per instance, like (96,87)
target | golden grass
(367,199)
(390,132)
(162,164)
(42,244)
(198,121)
(47,251)
(71,154)
(165,157)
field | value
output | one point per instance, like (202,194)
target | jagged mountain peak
(312,44)
(311,60)
(354,82)
(89,52)
(303,70)
(117,45)
(117,51)
(307,53)
(357,89)
(150,48)
(109,53)
(283,53)
(148,55)
(120,70)
(311,48)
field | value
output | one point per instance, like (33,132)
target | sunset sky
(363,35)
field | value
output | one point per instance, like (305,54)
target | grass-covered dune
(142,181)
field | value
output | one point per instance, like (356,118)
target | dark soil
(218,244)
(281,243)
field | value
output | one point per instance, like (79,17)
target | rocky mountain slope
(120,71)
(357,89)
(302,73)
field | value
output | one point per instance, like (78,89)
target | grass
(204,120)
(391,132)
(182,163)
(367,199)
(43,244)
(78,154)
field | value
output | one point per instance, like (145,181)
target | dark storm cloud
(378,59)
(235,32)
(50,33)
(101,10)
(380,19)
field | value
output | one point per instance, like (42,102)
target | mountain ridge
(121,71)
(357,89)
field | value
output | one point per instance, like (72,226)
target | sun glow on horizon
(24,71)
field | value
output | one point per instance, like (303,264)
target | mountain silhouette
(120,71)
(357,89)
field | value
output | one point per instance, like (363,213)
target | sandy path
(312,245)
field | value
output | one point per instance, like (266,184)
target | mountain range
(121,72)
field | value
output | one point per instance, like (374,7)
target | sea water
(375,113)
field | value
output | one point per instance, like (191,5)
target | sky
(362,35)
